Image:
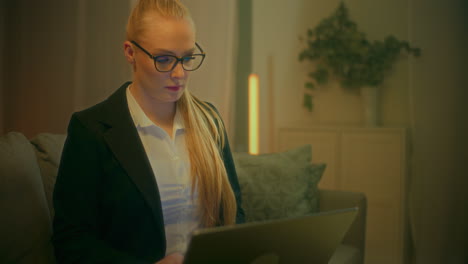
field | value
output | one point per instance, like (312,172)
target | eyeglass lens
(167,63)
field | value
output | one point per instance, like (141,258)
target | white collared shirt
(171,166)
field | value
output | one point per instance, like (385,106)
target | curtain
(216,33)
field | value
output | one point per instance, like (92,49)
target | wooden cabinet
(369,160)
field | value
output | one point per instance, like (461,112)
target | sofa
(27,175)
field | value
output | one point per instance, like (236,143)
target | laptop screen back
(307,239)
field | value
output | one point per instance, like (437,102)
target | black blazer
(106,198)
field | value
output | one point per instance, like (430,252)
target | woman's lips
(174,88)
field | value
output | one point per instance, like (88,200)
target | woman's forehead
(167,25)
(168,33)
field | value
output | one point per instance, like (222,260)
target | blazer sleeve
(75,226)
(231,171)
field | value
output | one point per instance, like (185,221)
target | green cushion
(278,185)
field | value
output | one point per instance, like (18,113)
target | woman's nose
(178,72)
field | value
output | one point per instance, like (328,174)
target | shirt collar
(141,119)
(178,120)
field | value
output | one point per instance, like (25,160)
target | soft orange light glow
(254,94)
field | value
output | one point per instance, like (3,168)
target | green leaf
(308,102)
(309,85)
(416,52)
(347,54)
(321,75)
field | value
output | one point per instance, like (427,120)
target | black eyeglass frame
(181,60)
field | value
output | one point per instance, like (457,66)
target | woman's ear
(129,52)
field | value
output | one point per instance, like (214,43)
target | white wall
(277,26)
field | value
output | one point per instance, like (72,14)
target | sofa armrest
(334,199)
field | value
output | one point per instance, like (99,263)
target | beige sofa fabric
(345,254)
(356,236)
(25,227)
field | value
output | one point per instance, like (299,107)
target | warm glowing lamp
(254,93)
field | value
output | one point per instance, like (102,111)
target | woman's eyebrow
(165,51)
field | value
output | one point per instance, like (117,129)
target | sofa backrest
(25,223)
(48,148)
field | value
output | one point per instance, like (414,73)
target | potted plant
(340,50)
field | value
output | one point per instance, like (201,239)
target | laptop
(306,239)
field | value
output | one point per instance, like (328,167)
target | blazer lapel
(124,141)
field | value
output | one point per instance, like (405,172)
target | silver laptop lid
(307,239)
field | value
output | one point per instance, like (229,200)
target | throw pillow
(278,185)
(48,148)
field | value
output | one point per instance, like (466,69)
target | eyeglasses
(167,63)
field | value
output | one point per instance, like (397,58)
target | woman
(143,169)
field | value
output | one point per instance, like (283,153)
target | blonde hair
(136,24)
(205,138)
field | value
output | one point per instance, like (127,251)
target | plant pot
(371,102)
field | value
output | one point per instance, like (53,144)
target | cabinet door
(368,160)
(373,162)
